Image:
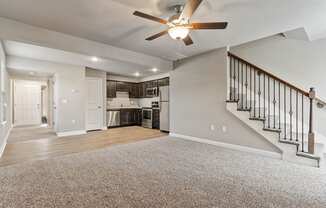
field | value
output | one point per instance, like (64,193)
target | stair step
(307,155)
(244,109)
(272,130)
(257,119)
(232,101)
(290,142)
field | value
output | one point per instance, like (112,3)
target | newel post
(311,134)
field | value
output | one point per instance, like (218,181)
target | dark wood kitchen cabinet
(134,90)
(156,119)
(123,87)
(142,90)
(164,82)
(154,83)
(130,117)
(111,89)
(139,116)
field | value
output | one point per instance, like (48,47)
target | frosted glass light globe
(178,32)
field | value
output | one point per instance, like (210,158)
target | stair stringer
(288,151)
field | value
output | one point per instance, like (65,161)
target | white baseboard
(3,146)
(230,146)
(71,133)
(104,128)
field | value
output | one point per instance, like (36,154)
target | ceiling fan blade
(157,35)
(189,9)
(150,17)
(209,25)
(188,41)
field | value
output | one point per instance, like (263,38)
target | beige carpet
(27,133)
(166,172)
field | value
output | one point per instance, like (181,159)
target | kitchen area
(137,103)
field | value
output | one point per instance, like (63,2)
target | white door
(94,111)
(27,103)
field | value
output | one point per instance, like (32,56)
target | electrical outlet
(212,127)
(73,121)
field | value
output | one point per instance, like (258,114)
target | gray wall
(198,92)
(5,87)
(102,75)
(300,62)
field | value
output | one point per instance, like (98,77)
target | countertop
(122,108)
(129,107)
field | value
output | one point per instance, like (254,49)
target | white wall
(5,87)
(198,91)
(69,90)
(299,62)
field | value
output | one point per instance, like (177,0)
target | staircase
(275,109)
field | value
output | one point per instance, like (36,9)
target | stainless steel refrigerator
(164,109)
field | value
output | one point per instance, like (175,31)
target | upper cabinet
(123,87)
(164,82)
(135,90)
(111,89)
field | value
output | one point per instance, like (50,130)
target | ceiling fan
(180,25)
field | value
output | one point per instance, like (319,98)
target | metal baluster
(238,76)
(274,102)
(250,81)
(230,78)
(279,105)
(246,86)
(296,117)
(234,77)
(259,75)
(302,119)
(269,105)
(264,96)
(284,111)
(290,114)
(254,93)
(242,86)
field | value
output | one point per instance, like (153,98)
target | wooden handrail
(272,75)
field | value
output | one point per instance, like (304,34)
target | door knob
(99,107)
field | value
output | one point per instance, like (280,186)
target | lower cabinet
(129,117)
(156,119)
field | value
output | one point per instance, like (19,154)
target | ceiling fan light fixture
(178,32)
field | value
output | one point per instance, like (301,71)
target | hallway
(28,133)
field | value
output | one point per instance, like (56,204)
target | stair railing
(282,106)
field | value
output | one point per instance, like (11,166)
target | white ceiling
(14,48)
(112,22)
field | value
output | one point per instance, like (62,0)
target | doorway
(27,103)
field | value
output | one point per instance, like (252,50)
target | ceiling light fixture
(95,59)
(178,32)
(154,70)
(31,73)
(137,74)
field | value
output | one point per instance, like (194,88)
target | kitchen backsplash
(123,100)
(147,102)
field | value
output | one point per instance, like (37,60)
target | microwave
(152,92)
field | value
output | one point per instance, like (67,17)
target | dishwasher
(113,118)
